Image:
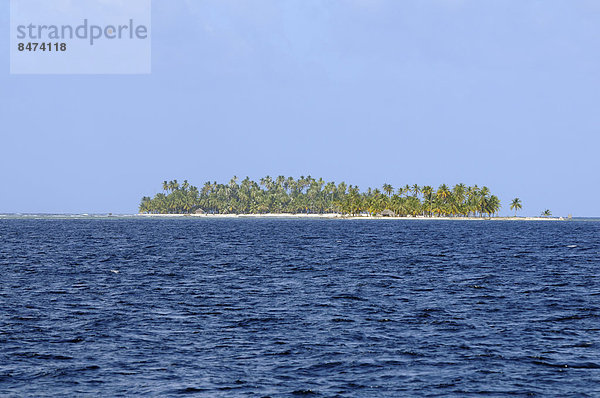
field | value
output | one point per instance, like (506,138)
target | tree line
(316,196)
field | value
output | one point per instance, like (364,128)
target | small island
(310,196)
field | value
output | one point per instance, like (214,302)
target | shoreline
(341,217)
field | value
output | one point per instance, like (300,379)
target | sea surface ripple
(350,308)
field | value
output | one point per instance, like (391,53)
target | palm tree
(482,199)
(516,205)
(546,213)
(443,192)
(173,185)
(428,198)
(457,199)
(388,189)
(415,190)
(492,205)
(146,205)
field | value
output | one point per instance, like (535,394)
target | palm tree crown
(516,205)
(546,213)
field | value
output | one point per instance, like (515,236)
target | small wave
(347,297)
(190,390)
(259,321)
(280,353)
(36,355)
(304,392)
(584,344)
(70,341)
(90,367)
(412,354)
(569,318)
(541,290)
(323,366)
(584,365)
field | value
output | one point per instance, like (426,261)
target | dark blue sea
(324,308)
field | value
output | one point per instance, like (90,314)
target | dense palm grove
(308,195)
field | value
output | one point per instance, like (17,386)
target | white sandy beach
(342,217)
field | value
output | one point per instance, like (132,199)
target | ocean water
(350,308)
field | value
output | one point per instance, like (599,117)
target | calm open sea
(364,308)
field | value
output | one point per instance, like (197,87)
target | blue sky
(496,93)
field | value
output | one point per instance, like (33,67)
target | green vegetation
(516,205)
(307,195)
(546,213)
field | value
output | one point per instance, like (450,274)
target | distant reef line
(310,197)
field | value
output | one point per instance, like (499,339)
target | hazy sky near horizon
(496,93)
